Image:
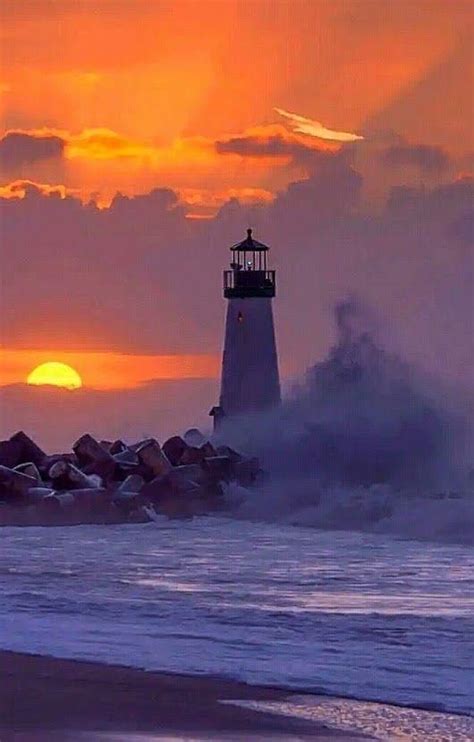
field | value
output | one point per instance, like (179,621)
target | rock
(246,472)
(127,501)
(234,456)
(182,479)
(208,450)
(117,447)
(90,495)
(10,453)
(181,475)
(58,501)
(219,468)
(92,458)
(192,455)
(95,480)
(133,483)
(106,445)
(126,458)
(150,454)
(194,437)
(65,476)
(31,470)
(50,460)
(14,484)
(29,450)
(36,494)
(174,448)
(157,490)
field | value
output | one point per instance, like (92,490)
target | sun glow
(55,374)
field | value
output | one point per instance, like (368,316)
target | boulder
(180,475)
(157,490)
(208,449)
(106,445)
(10,453)
(192,455)
(37,494)
(116,447)
(31,470)
(50,460)
(174,448)
(246,472)
(91,505)
(127,459)
(219,468)
(194,437)
(56,501)
(90,495)
(29,450)
(66,476)
(150,454)
(92,458)
(14,484)
(234,456)
(127,501)
(133,483)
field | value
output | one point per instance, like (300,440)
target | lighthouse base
(250,379)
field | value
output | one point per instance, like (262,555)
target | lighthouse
(250,381)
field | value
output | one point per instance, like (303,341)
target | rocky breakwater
(112,482)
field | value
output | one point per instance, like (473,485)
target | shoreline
(70,698)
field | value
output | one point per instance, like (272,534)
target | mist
(364,441)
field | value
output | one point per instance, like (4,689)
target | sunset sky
(140,138)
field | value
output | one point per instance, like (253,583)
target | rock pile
(112,482)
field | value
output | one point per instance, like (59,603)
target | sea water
(355,615)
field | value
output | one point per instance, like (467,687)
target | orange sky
(142,90)
(108,370)
(181,94)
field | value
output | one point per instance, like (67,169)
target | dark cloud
(19,148)
(424,157)
(140,277)
(270,145)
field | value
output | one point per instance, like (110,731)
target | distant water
(344,613)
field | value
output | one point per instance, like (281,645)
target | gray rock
(67,476)
(182,474)
(14,484)
(218,467)
(29,450)
(174,448)
(150,454)
(31,470)
(194,437)
(133,483)
(92,458)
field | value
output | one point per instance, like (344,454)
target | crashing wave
(361,443)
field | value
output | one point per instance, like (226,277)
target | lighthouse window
(240,317)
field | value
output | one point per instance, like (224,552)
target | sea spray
(362,443)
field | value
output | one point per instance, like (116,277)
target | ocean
(355,615)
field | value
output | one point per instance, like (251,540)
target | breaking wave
(361,443)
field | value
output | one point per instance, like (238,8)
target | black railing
(248,283)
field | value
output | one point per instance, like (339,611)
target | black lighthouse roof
(249,244)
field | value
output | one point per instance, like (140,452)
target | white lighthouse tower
(250,380)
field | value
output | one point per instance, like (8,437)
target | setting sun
(55,374)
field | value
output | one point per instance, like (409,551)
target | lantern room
(249,275)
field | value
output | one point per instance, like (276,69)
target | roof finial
(249,233)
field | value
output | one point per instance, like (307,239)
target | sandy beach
(44,698)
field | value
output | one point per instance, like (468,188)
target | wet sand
(43,698)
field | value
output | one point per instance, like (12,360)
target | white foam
(379,720)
